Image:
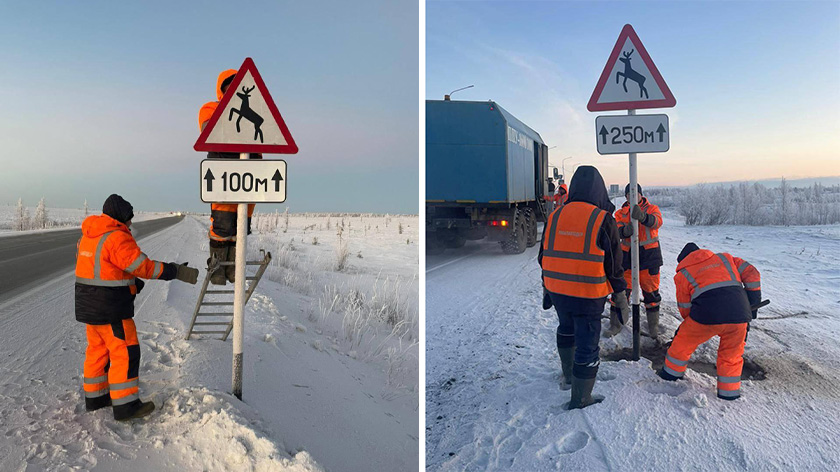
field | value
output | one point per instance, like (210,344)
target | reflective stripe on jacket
(710,288)
(107,262)
(572,262)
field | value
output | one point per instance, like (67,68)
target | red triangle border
(201,143)
(667,102)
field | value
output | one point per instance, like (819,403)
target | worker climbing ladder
(223,318)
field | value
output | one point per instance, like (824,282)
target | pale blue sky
(757,83)
(103,97)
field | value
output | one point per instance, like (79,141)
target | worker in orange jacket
(650,258)
(715,293)
(581,265)
(108,264)
(222,215)
(561,194)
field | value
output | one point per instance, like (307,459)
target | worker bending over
(715,293)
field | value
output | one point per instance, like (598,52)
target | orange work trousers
(730,359)
(112,363)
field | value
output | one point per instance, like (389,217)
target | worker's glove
(547,303)
(637,213)
(187,274)
(140,284)
(625,230)
(620,301)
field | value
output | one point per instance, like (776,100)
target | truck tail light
(498,223)
(504,222)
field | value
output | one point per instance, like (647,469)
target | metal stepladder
(222,318)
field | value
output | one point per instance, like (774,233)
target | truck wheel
(515,244)
(531,227)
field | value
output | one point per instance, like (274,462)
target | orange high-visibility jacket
(222,215)
(107,262)
(572,262)
(648,235)
(650,254)
(561,194)
(716,288)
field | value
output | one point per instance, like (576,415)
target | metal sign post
(239,292)
(634,254)
(258,128)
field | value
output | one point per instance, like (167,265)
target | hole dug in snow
(656,354)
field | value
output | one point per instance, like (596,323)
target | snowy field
(330,372)
(492,395)
(60,218)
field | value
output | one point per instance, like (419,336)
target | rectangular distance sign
(243,181)
(623,134)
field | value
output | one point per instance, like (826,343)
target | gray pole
(634,253)
(239,292)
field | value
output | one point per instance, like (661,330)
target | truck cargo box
(476,152)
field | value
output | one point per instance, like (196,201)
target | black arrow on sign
(661,131)
(209,178)
(277,179)
(603,134)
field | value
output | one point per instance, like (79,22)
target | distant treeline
(752,204)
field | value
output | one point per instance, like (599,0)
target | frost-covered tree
(784,191)
(21,216)
(41,219)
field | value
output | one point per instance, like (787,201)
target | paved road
(27,259)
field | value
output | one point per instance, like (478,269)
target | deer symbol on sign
(629,73)
(246,112)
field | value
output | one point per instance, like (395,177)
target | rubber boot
(582,394)
(217,254)
(653,321)
(567,358)
(230,271)
(138,409)
(93,404)
(615,325)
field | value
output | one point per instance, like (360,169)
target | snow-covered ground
(60,218)
(492,369)
(316,395)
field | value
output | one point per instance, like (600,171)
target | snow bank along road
(301,404)
(26,259)
(492,369)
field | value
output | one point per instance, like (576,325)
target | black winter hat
(117,208)
(627,189)
(688,249)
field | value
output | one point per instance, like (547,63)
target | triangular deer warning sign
(630,80)
(246,119)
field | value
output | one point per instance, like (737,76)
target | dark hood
(588,186)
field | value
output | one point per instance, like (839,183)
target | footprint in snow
(662,388)
(568,444)
(605,376)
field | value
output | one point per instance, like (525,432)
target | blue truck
(486,176)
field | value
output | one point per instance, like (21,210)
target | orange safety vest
(572,262)
(648,237)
